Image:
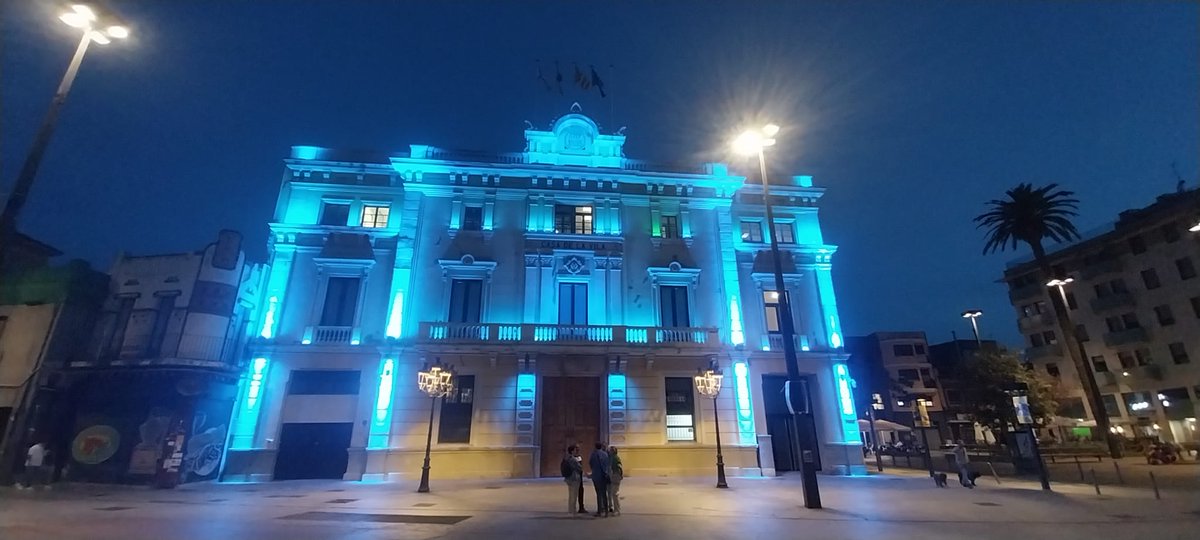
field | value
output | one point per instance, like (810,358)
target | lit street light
(750,143)
(1061,284)
(100,29)
(974,314)
(436,381)
(708,384)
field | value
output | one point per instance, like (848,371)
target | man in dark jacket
(600,474)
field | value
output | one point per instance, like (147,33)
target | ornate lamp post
(435,381)
(708,383)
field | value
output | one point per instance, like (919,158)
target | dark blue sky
(910,113)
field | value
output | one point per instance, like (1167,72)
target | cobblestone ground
(894,505)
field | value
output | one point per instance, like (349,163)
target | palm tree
(1030,215)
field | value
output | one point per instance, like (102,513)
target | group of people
(607,473)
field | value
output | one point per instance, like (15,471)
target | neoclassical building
(575,291)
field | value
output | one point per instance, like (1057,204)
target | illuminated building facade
(574,291)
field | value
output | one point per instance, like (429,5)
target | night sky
(912,114)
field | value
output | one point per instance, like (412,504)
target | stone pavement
(901,505)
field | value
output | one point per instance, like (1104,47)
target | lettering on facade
(580,245)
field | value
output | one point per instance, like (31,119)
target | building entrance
(570,415)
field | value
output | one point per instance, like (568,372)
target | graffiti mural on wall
(152,430)
(203,452)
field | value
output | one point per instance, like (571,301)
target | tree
(985,377)
(1030,215)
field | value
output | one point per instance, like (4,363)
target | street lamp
(708,384)
(974,314)
(876,405)
(100,29)
(750,143)
(434,381)
(1061,284)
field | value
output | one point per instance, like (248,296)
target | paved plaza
(894,505)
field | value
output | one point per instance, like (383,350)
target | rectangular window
(320,382)
(1118,286)
(784,233)
(902,349)
(927,379)
(1195,306)
(681,409)
(1126,359)
(472,218)
(908,376)
(162,316)
(1143,357)
(1165,317)
(673,307)
(670,226)
(1029,310)
(573,219)
(1051,339)
(572,303)
(1179,353)
(1052,370)
(124,313)
(341,301)
(375,217)
(771,312)
(1110,405)
(1102,290)
(919,348)
(752,231)
(1137,245)
(1170,232)
(1130,321)
(1036,340)
(1081,333)
(1099,364)
(455,423)
(466,300)
(1113,323)
(337,214)
(1186,270)
(1150,279)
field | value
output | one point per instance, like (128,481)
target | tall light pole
(708,384)
(974,314)
(754,142)
(435,381)
(85,19)
(876,405)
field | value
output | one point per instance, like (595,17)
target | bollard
(1117,467)
(994,475)
(1080,467)
(1154,483)
(1095,483)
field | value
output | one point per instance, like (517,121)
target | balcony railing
(502,333)
(1044,351)
(1039,320)
(1148,372)
(1112,301)
(1126,337)
(1107,266)
(332,334)
(179,346)
(1025,292)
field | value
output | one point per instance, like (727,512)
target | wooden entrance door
(570,415)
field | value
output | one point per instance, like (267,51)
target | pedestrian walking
(600,473)
(572,471)
(614,480)
(961,460)
(35,465)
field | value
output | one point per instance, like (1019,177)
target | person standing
(614,480)
(961,460)
(579,490)
(35,461)
(572,471)
(600,473)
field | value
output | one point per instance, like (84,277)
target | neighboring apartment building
(575,291)
(893,369)
(163,366)
(1135,305)
(946,358)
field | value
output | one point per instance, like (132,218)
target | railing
(1148,372)
(1125,337)
(1107,266)
(332,334)
(1044,351)
(1026,291)
(1039,320)
(1111,301)
(443,332)
(180,346)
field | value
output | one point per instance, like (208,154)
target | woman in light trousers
(614,481)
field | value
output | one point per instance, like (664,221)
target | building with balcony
(160,375)
(894,374)
(575,292)
(1134,303)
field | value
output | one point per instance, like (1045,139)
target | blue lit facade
(571,288)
